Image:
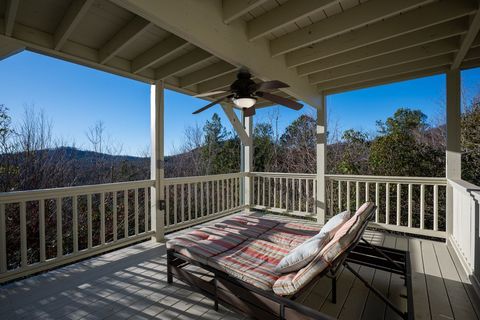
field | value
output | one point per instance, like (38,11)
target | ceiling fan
(244,93)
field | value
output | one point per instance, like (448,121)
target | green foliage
(354,158)
(264,147)
(471,143)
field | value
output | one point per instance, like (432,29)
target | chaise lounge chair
(241,254)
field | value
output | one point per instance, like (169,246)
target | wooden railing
(46,228)
(290,193)
(192,200)
(465,233)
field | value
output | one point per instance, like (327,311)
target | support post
(320,203)
(453,168)
(157,173)
(246,164)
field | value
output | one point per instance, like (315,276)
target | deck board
(130,283)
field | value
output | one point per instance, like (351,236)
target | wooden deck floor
(131,283)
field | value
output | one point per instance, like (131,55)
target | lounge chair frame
(262,304)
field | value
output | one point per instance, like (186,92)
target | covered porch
(318,48)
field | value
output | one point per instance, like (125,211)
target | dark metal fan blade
(281,100)
(270,85)
(207,94)
(213,103)
(248,112)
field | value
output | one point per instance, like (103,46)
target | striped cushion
(290,283)
(246,225)
(291,234)
(254,262)
(205,242)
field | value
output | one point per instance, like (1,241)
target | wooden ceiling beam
(234,9)
(164,48)
(218,83)
(215,70)
(422,52)
(408,67)
(74,14)
(283,15)
(131,31)
(400,43)
(354,18)
(184,62)
(388,79)
(424,17)
(10,16)
(467,41)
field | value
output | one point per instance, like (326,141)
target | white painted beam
(237,125)
(467,41)
(283,15)
(74,14)
(10,15)
(247,163)
(433,49)
(388,80)
(354,18)
(164,48)
(400,43)
(123,38)
(321,135)
(414,20)
(205,29)
(234,9)
(430,63)
(217,83)
(182,63)
(213,71)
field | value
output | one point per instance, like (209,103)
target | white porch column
(453,154)
(157,172)
(246,163)
(321,154)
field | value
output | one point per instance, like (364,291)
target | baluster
(435,207)
(387,203)
(409,205)
(299,195)
(175,204)
(189,196)
(275,192)
(167,205)
(114,215)
(125,213)
(339,196)
(145,207)
(263,191)
(219,209)
(3,239)
(228,193)
(207,185)
(367,191)
(377,201)
(281,193)
(196,199)
(43,255)
(136,210)
(223,195)
(201,199)
(58,212)
(422,206)
(75,223)
(183,201)
(102,218)
(23,234)
(399,203)
(348,196)
(89,221)
(287,193)
(307,197)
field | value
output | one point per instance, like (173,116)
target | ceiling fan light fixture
(244,102)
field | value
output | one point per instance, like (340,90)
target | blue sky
(75,97)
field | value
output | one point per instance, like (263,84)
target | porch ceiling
(194,46)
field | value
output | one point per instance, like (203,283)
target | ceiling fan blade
(281,100)
(207,94)
(248,112)
(212,103)
(270,85)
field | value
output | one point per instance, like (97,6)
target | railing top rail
(392,179)
(283,175)
(193,179)
(463,185)
(32,195)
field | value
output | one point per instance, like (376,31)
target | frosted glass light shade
(244,102)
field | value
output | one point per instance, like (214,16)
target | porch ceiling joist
(389,79)
(283,15)
(205,28)
(123,38)
(234,9)
(74,14)
(397,44)
(414,20)
(184,62)
(9,48)
(164,48)
(422,52)
(473,53)
(217,83)
(10,16)
(408,67)
(366,13)
(217,69)
(467,41)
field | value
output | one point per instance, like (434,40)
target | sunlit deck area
(131,283)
